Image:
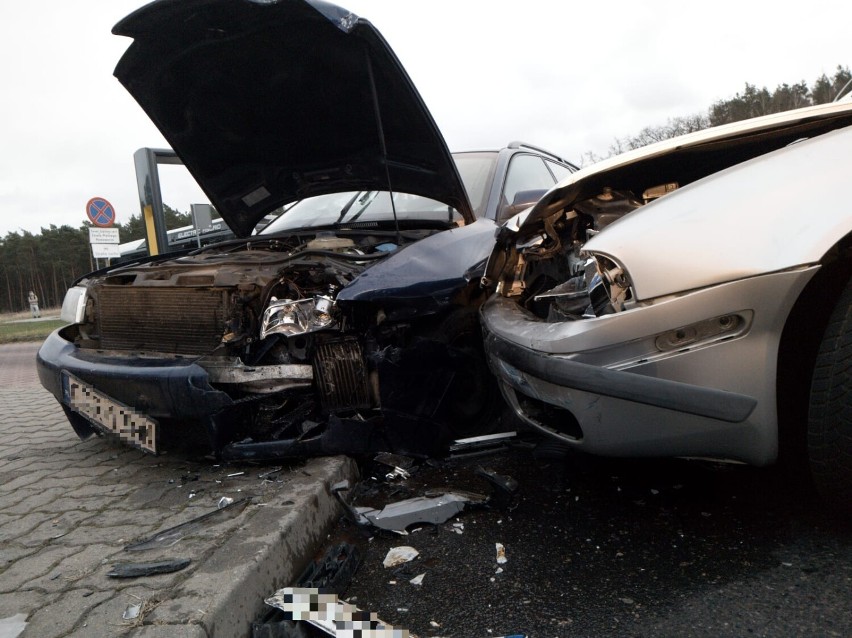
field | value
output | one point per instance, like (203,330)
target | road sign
(106,251)
(100,212)
(103,236)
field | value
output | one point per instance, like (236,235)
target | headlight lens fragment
(292,318)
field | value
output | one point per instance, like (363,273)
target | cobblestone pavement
(69,507)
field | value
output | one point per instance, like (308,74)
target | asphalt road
(615,548)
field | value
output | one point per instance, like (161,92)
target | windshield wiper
(364,199)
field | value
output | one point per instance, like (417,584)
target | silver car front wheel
(830,410)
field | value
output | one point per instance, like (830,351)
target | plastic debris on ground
(501,554)
(132,611)
(417,580)
(437,506)
(481,445)
(399,555)
(169,537)
(224,502)
(331,615)
(135,570)
(13,626)
(398,516)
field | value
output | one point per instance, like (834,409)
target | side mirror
(522,201)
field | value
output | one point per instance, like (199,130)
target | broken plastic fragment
(397,516)
(501,554)
(417,580)
(169,537)
(224,502)
(334,572)
(132,611)
(479,445)
(331,615)
(135,570)
(13,626)
(399,555)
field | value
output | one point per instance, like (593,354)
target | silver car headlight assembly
(609,289)
(74,305)
(292,318)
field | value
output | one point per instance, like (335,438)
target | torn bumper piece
(422,509)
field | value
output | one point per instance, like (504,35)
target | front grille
(173,320)
(341,375)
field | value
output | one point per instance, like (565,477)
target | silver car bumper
(606,386)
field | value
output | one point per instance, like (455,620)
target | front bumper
(158,386)
(601,385)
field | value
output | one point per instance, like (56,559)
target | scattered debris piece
(437,509)
(501,554)
(503,488)
(458,528)
(132,611)
(334,572)
(169,537)
(481,445)
(328,613)
(399,555)
(233,474)
(400,465)
(13,626)
(224,502)
(135,570)
(417,580)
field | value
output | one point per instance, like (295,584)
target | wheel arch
(798,348)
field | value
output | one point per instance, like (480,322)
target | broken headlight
(74,305)
(292,318)
(609,289)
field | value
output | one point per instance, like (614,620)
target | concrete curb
(269,552)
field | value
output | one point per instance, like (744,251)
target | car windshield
(476,171)
(360,206)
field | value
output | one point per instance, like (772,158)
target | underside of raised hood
(271,101)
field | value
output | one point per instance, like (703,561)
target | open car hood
(271,101)
(685,159)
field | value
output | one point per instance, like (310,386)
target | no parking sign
(100,212)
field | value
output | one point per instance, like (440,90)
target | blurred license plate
(109,415)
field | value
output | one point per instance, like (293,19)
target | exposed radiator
(173,320)
(341,375)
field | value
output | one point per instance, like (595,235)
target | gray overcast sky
(567,76)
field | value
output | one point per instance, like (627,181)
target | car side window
(526,173)
(559,172)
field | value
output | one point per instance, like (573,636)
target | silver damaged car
(691,298)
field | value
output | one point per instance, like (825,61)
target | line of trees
(48,263)
(752,102)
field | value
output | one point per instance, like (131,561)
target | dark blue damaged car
(349,324)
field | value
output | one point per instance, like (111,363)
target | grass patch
(17,328)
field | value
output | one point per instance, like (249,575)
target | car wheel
(830,410)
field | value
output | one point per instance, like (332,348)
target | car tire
(830,411)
